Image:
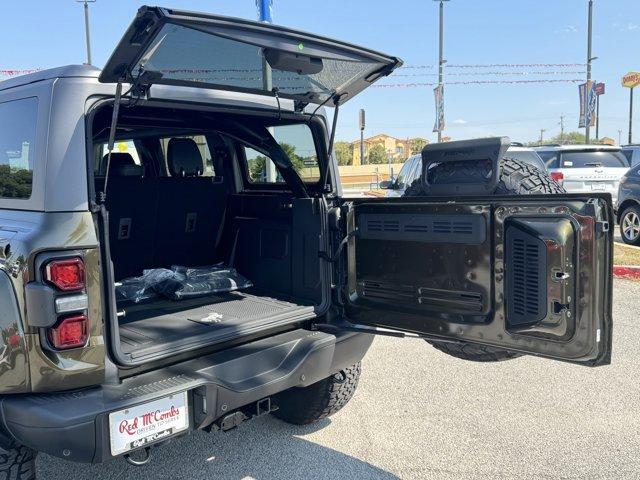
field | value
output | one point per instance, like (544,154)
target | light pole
(265,11)
(86,27)
(619,137)
(441,60)
(589,60)
(542,130)
(361,121)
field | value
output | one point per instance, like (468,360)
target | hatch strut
(336,102)
(112,138)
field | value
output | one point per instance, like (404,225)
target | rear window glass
(529,157)
(594,159)
(550,159)
(183,54)
(17,143)
(298,143)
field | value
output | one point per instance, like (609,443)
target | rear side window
(298,143)
(405,171)
(17,146)
(629,155)
(550,159)
(609,159)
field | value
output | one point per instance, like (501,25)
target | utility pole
(265,15)
(361,121)
(542,130)
(441,60)
(86,27)
(630,116)
(589,60)
(561,129)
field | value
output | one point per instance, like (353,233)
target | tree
(344,152)
(377,154)
(257,165)
(417,144)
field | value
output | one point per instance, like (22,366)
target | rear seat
(190,209)
(131,202)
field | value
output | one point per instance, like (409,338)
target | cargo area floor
(152,326)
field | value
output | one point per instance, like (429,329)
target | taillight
(69,332)
(557,176)
(66,274)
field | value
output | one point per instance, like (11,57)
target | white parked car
(586,168)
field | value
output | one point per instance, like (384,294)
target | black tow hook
(138,462)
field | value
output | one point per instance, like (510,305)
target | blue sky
(46,33)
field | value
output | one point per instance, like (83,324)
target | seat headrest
(123,165)
(183,158)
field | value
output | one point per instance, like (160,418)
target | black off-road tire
(19,463)
(516,178)
(302,406)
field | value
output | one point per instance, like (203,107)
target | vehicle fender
(14,368)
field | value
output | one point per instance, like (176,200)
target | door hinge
(602,226)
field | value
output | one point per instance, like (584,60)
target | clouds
(568,29)
(628,27)
(459,121)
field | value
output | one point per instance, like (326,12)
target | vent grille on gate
(463,228)
(526,263)
(383,225)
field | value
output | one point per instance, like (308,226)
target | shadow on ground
(264,448)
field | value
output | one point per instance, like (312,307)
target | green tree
(377,154)
(344,152)
(257,166)
(417,144)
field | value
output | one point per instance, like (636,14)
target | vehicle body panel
(629,191)
(217,384)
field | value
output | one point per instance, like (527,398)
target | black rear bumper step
(74,425)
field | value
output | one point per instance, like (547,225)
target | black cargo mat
(150,326)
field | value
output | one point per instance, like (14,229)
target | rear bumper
(74,425)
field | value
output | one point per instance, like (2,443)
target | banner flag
(588,97)
(438,93)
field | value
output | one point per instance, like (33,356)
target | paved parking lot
(420,414)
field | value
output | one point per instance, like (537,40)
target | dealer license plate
(150,422)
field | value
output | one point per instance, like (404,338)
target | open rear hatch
(173,47)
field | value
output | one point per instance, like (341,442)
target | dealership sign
(631,80)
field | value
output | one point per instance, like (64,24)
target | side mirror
(387,184)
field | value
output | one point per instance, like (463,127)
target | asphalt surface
(419,414)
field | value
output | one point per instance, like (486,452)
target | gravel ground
(419,414)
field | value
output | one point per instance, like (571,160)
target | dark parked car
(629,206)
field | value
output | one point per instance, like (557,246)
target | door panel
(529,274)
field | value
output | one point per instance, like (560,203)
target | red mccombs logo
(130,427)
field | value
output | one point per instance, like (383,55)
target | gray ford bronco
(203,145)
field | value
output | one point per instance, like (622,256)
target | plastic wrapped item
(197,282)
(181,282)
(136,289)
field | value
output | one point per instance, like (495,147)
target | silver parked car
(586,168)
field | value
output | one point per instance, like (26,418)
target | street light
(589,60)
(86,27)
(441,60)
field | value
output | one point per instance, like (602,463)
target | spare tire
(516,178)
